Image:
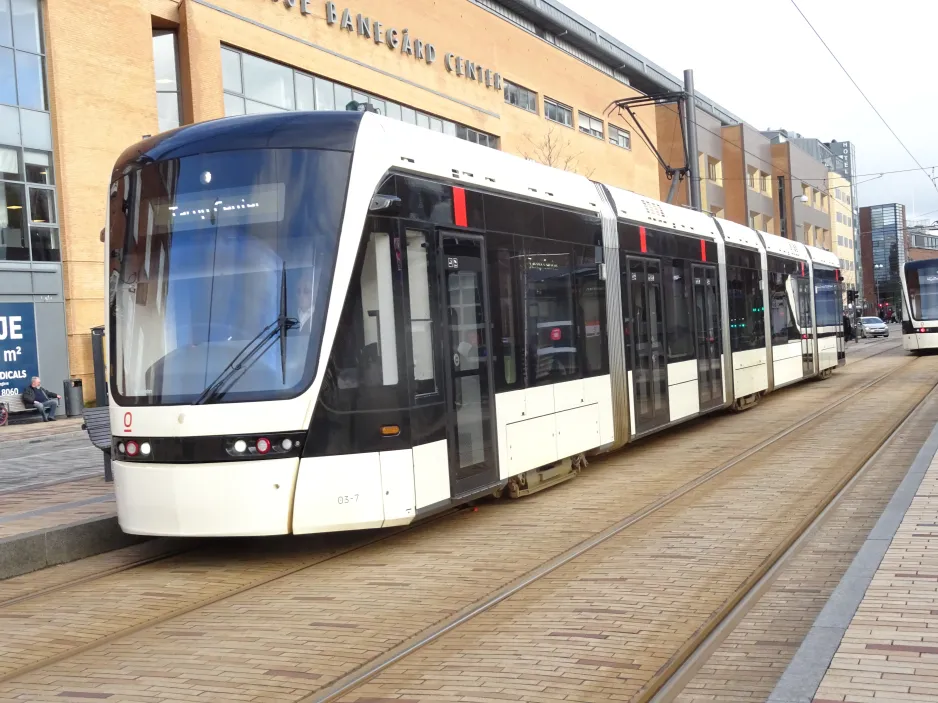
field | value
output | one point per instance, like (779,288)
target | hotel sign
(400,40)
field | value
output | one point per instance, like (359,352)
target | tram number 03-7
(348,499)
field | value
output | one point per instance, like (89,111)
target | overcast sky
(761,61)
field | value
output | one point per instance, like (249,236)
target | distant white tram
(920,300)
(335,321)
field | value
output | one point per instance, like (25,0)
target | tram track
(477,607)
(342,687)
(672,680)
(178,551)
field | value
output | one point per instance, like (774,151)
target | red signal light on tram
(262,445)
(922,330)
(555,334)
(132,448)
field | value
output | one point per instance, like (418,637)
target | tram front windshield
(207,253)
(922,281)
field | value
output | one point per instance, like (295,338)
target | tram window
(548,297)
(591,311)
(503,257)
(515,216)
(923,291)
(747,326)
(827,299)
(782,294)
(365,353)
(421,323)
(677,295)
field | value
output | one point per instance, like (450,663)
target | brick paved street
(30,455)
(890,651)
(291,636)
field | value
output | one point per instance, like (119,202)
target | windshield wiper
(255,349)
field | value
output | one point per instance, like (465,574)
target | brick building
(81,81)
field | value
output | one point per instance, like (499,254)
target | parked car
(873,327)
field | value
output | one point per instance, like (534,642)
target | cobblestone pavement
(746,667)
(890,650)
(43,459)
(291,636)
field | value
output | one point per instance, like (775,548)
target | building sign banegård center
(402,41)
(19,359)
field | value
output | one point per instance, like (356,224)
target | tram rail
(339,689)
(472,610)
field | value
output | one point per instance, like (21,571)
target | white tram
(334,321)
(920,301)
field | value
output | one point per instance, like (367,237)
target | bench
(14,405)
(98,426)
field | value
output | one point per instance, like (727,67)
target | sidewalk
(54,504)
(42,452)
(876,640)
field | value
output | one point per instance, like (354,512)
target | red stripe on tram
(643,243)
(459,207)
(703,250)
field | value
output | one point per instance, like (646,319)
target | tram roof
(740,235)
(655,213)
(823,257)
(418,150)
(784,247)
(283,130)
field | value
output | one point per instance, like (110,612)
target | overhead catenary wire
(869,102)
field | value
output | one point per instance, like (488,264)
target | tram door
(709,338)
(469,383)
(649,362)
(804,321)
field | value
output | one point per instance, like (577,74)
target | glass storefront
(254,85)
(28,221)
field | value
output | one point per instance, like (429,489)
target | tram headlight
(120,447)
(287,444)
(240,446)
(145,449)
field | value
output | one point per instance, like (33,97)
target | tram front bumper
(225,499)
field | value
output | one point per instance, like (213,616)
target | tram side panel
(467,354)
(787,332)
(828,310)
(747,321)
(673,326)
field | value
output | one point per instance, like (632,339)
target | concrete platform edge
(32,551)
(804,674)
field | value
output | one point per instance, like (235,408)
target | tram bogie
(335,321)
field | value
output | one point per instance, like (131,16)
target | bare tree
(555,150)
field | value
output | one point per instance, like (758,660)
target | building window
(753,176)
(520,97)
(591,126)
(766,185)
(714,170)
(28,216)
(768,225)
(755,220)
(716,211)
(253,85)
(28,222)
(556,112)
(166,69)
(620,137)
(840,217)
